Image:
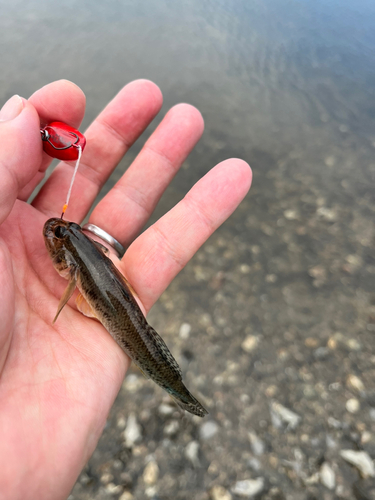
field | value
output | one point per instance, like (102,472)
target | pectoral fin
(66,296)
(99,246)
(84,307)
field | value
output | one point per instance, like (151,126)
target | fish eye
(60,231)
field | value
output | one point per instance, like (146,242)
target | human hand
(58,382)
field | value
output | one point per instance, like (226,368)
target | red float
(62,141)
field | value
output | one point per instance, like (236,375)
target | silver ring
(116,245)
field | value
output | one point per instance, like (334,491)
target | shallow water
(271,76)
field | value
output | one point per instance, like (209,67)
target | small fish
(106,296)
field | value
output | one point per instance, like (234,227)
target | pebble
(250,343)
(321,353)
(354,382)
(311,342)
(249,487)
(126,496)
(245,399)
(352,405)
(309,391)
(354,260)
(314,479)
(291,214)
(354,344)
(121,422)
(132,383)
(327,213)
(133,431)
(280,413)
(113,489)
(220,493)
(266,229)
(191,453)
(330,161)
(151,491)
(151,473)
(366,437)
(327,476)
(208,430)
(256,444)
(166,410)
(318,272)
(106,478)
(145,415)
(84,478)
(361,460)
(271,278)
(185,330)
(245,268)
(330,442)
(171,428)
(334,423)
(271,391)
(254,464)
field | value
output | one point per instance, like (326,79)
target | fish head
(57,237)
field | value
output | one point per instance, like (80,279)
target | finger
(58,101)
(155,257)
(21,150)
(6,304)
(127,207)
(108,138)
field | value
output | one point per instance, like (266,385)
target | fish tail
(187,401)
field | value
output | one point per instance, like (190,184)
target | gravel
(249,488)
(361,460)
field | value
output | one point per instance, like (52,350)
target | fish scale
(82,261)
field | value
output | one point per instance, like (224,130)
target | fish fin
(101,247)
(132,291)
(155,344)
(121,278)
(66,296)
(160,345)
(84,307)
(143,373)
(187,401)
(158,348)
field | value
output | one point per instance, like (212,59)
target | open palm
(58,382)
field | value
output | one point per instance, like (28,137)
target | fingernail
(11,109)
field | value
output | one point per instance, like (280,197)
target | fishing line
(72,181)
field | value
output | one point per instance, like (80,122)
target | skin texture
(58,381)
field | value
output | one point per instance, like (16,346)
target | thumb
(21,150)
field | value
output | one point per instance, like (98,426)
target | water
(262,73)
(271,77)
